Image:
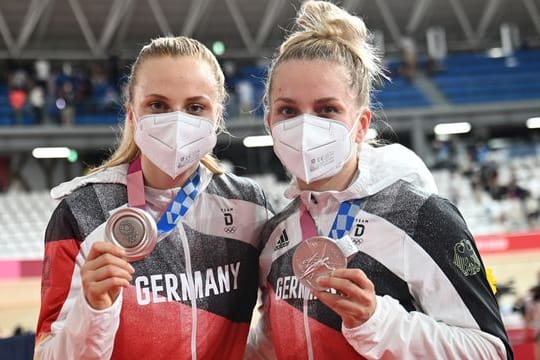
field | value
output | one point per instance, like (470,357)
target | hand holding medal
(355,301)
(320,263)
(130,235)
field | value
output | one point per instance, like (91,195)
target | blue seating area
(7,116)
(477,78)
(467,78)
(97,119)
(399,93)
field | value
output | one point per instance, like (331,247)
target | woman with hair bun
(366,261)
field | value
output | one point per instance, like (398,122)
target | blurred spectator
(18,331)
(36,98)
(231,77)
(103,92)
(66,102)
(434,66)
(499,192)
(98,77)
(17,100)
(512,315)
(444,154)
(42,69)
(110,101)
(407,67)
(436,49)
(513,190)
(532,211)
(4,173)
(19,79)
(115,73)
(82,88)
(246,96)
(532,312)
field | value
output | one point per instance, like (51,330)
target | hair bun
(326,20)
(324,31)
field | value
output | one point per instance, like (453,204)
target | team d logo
(229,221)
(465,258)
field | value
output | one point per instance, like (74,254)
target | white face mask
(174,141)
(311,147)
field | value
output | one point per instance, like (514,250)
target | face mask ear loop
(266,125)
(353,141)
(356,122)
(215,126)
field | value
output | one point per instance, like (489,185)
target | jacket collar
(114,175)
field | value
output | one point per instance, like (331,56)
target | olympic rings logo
(230,229)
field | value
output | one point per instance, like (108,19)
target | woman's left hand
(355,301)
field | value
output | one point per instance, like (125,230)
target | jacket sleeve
(260,344)
(394,333)
(84,334)
(68,328)
(456,314)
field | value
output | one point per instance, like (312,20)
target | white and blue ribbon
(180,205)
(345,218)
(177,208)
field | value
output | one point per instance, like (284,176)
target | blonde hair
(180,46)
(329,33)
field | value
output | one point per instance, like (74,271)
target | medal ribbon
(342,223)
(177,208)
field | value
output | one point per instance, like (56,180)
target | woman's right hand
(355,301)
(104,273)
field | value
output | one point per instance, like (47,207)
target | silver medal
(314,257)
(134,230)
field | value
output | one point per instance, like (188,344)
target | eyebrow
(199,97)
(326,99)
(155,95)
(193,98)
(318,101)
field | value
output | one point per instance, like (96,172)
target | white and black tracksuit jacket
(156,317)
(433,298)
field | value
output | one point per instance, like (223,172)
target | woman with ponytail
(366,261)
(155,254)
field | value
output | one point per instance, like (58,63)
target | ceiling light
(533,123)
(452,128)
(258,141)
(51,152)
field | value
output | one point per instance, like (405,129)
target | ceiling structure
(97,29)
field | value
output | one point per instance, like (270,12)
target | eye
(287,111)
(158,106)
(328,109)
(195,109)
